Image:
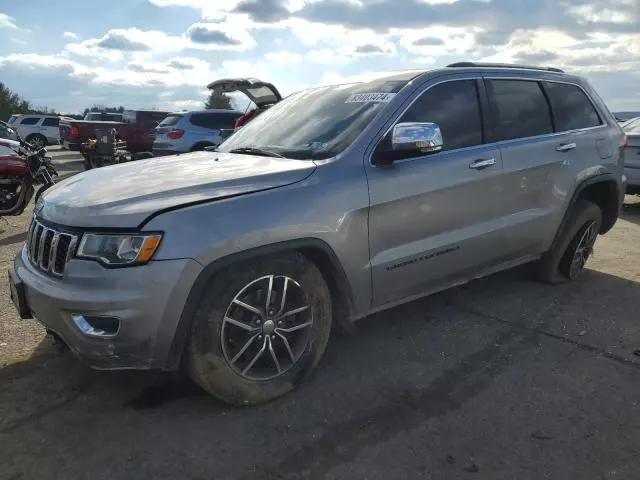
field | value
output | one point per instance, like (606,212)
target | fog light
(100,327)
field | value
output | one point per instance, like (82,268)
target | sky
(72,54)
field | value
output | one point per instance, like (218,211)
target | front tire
(567,259)
(260,328)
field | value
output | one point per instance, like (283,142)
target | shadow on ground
(405,375)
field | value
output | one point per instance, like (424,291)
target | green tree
(218,100)
(11,103)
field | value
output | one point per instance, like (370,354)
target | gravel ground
(503,378)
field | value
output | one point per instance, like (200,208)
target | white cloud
(70,35)
(326,55)
(7,22)
(602,52)
(218,36)
(35,62)
(437,40)
(117,43)
(283,57)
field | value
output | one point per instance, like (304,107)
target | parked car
(137,129)
(191,131)
(38,130)
(103,117)
(336,202)
(7,132)
(632,156)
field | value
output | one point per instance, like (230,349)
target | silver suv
(335,203)
(38,130)
(191,131)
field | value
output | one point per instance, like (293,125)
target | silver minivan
(192,131)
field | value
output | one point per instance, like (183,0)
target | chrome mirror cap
(422,137)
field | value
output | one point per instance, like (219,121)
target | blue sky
(69,54)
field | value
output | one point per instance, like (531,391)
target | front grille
(49,249)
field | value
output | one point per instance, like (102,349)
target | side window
(454,106)
(200,120)
(520,109)
(228,120)
(51,122)
(571,107)
(210,120)
(30,121)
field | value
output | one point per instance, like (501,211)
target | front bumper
(148,300)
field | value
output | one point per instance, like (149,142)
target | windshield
(632,126)
(315,124)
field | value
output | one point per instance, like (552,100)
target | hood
(123,196)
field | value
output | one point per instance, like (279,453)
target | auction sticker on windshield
(370,97)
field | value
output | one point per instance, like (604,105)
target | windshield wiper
(256,151)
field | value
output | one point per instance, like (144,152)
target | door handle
(565,147)
(482,163)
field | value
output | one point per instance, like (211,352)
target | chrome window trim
(499,143)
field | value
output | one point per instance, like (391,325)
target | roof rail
(502,65)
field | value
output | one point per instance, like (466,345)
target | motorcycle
(21,169)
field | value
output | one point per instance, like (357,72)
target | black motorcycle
(21,170)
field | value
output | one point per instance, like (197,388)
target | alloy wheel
(583,250)
(266,327)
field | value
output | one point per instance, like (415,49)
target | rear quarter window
(571,108)
(170,121)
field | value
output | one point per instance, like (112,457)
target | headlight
(119,249)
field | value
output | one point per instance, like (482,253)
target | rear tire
(566,260)
(237,319)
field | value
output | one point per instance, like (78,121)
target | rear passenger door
(49,129)
(540,153)
(432,217)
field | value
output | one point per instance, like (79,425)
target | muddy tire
(566,260)
(249,346)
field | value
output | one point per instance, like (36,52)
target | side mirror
(416,137)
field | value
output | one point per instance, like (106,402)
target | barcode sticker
(370,97)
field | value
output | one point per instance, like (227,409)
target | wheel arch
(315,250)
(603,190)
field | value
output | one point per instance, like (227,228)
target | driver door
(433,217)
